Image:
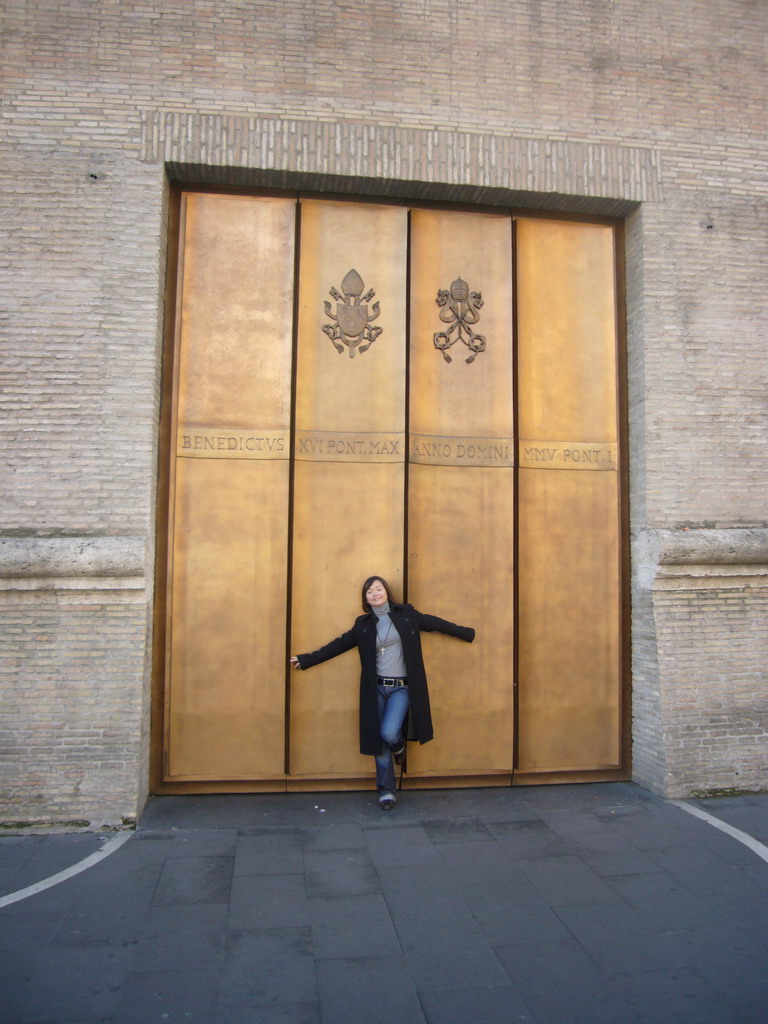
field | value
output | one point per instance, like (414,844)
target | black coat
(409,623)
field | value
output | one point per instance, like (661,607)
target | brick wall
(701,654)
(71,673)
(649,109)
(714,643)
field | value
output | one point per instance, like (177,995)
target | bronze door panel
(569,515)
(225,690)
(569,703)
(461,483)
(349,475)
(226,704)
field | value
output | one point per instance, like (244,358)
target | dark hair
(368,583)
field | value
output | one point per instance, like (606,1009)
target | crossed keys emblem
(459,308)
(351,321)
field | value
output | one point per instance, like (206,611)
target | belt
(391,682)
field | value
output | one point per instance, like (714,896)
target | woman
(392,677)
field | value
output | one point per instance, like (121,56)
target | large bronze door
(351,396)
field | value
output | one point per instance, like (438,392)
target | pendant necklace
(384,641)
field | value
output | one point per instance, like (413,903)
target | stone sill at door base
(366,783)
(359,784)
(557,778)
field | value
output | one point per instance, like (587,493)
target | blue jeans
(393,707)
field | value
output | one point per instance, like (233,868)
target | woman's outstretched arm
(433,624)
(342,643)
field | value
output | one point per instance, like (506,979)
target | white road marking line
(743,837)
(70,872)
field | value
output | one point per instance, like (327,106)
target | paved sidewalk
(588,904)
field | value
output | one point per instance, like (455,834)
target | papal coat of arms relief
(351,323)
(460,308)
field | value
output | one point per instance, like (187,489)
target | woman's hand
(295,662)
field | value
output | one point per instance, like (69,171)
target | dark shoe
(399,755)
(386,801)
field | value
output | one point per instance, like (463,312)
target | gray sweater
(390,662)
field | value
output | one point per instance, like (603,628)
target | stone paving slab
(25,860)
(585,904)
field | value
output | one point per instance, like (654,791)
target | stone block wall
(72,663)
(704,659)
(650,110)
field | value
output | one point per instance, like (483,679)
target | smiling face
(376,594)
